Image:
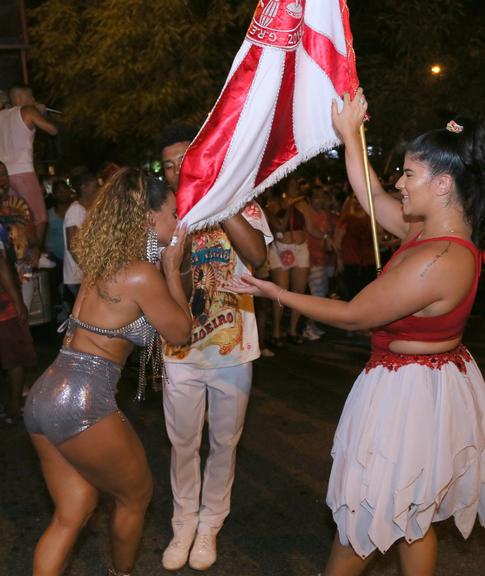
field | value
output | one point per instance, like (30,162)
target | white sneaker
(46,262)
(204,552)
(267,353)
(310,334)
(177,552)
(320,331)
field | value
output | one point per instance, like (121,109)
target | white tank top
(16,142)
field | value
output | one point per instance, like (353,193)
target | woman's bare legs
(344,561)
(107,457)
(74,499)
(282,279)
(419,558)
(298,283)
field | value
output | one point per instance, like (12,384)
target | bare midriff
(115,349)
(418,347)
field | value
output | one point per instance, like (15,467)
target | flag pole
(372,213)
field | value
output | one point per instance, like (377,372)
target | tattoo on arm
(435,259)
(105,296)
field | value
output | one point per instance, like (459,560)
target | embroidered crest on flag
(276,23)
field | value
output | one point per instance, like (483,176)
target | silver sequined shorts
(75,392)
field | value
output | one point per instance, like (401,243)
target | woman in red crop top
(410,445)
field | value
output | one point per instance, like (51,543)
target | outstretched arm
(347,123)
(410,287)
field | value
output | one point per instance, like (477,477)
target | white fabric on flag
(274,111)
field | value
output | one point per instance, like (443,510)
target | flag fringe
(280,173)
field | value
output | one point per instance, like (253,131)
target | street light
(436,69)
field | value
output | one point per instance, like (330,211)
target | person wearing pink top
(17,131)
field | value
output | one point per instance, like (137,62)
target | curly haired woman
(85,444)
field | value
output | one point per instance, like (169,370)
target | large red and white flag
(274,111)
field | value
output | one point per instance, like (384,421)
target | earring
(153,249)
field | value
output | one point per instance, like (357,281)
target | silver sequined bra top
(139,332)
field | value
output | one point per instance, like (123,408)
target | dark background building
(13,43)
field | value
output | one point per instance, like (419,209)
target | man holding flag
(217,366)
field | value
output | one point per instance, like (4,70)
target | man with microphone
(18,124)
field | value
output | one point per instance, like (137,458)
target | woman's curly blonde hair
(114,234)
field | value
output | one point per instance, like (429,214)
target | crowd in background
(333,235)
(322,242)
(37,225)
(26,260)
(322,245)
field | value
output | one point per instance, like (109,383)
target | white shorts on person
(409,450)
(288,256)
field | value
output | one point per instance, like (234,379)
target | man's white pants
(184,402)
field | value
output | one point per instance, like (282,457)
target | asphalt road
(279,524)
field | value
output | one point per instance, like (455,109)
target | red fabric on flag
(274,111)
(209,149)
(322,50)
(349,40)
(281,143)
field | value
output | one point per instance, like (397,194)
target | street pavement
(279,524)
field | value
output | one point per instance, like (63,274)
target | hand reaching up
(348,121)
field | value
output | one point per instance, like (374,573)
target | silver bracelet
(278,297)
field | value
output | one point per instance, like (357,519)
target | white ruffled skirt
(409,450)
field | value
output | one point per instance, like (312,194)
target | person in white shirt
(18,124)
(86,187)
